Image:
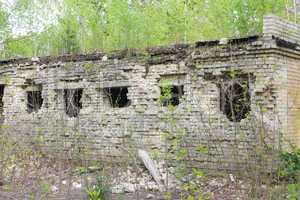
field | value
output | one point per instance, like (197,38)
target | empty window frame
(72,99)
(117,96)
(235,100)
(34,99)
(171,95)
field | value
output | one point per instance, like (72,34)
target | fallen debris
(149,164)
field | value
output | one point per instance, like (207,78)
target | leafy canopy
(90,25)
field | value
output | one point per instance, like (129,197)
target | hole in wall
(1,102)
(72,99)
(235,101)
(171,89)
(34,99)
(117,96)
(171,95)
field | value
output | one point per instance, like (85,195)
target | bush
(290,165)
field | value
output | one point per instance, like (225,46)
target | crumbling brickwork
(109,105)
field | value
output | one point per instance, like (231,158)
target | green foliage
(7,158)
(166,94)
(89,25)
(228,18)
(290,165)
(293,191)
(178,153)
(98,191)
(3,23)
(201,149)
(95,193)
(4,29)
(45,187)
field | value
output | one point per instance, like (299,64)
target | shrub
(290,165)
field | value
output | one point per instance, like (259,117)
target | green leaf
(190,197)
(202,149)
(198,173)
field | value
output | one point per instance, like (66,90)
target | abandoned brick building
(110,103)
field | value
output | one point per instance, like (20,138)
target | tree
(235,18)
(4,29)
(92,25)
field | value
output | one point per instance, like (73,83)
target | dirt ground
(47,179)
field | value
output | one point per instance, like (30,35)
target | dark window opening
(117,96)
(73,104)
(171,95)
(34,101)
(235,100)
(1,100)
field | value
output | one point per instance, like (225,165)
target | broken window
(235,97)
(171,95)
(117,96)
(34,98)
(72,98)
